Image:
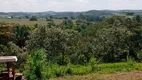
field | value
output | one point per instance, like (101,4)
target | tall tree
(138,18)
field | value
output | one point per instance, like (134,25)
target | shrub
(49,19)
(93,63)
(130,61)
(35,65)
(33,18)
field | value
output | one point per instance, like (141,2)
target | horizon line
(72,11)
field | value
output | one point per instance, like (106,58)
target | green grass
(27,22)
(56,70)
(115,67)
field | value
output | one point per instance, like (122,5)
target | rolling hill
(67,14)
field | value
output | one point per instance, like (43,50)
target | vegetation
(49,19)
(35,65)
(81,47)
(90,18)
(30,23)
(33,18)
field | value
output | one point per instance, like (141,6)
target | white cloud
(67,5)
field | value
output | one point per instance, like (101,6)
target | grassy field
(110,71)
(27,22)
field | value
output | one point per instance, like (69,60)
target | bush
(130,61)
(93,63)
(36,65)
(33,18)
(139,55)
(49,19)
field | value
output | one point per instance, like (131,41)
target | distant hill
(67,14)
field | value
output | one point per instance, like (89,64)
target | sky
(67,5)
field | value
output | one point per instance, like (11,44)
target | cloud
(67,5)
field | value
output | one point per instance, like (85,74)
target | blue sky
(67,5)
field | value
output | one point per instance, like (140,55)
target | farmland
(27,22)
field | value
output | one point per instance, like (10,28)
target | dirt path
(118,76)
(125,76)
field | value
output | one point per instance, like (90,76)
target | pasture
(27,22)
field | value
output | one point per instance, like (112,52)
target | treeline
(88,18)
(91,18)
(114,39)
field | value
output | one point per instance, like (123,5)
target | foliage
(112,47)
(75,47)
(130,13)
(21,35)
(90,18)
(51,24)
(48,19)
(6,33)
(93,62)
(8,46)
(67,24)
(33,18)
(57,42)
(35,65)
(54,70)
(138,18)
(139,55)
(111,40)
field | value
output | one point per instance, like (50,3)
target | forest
(74,48)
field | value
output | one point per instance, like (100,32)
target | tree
(138,18)
(112,43)
(27,17)
(21,35)
(51,24)
(33,18)
(14,50)
(130,13)
(81,16)
(67,24)
(51,17)
(6,33)
(65,17)
(35,67)
(8,45)
(56,41)
(72,17)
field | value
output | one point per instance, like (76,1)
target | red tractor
(7,71)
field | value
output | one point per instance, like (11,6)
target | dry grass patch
(137,75)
